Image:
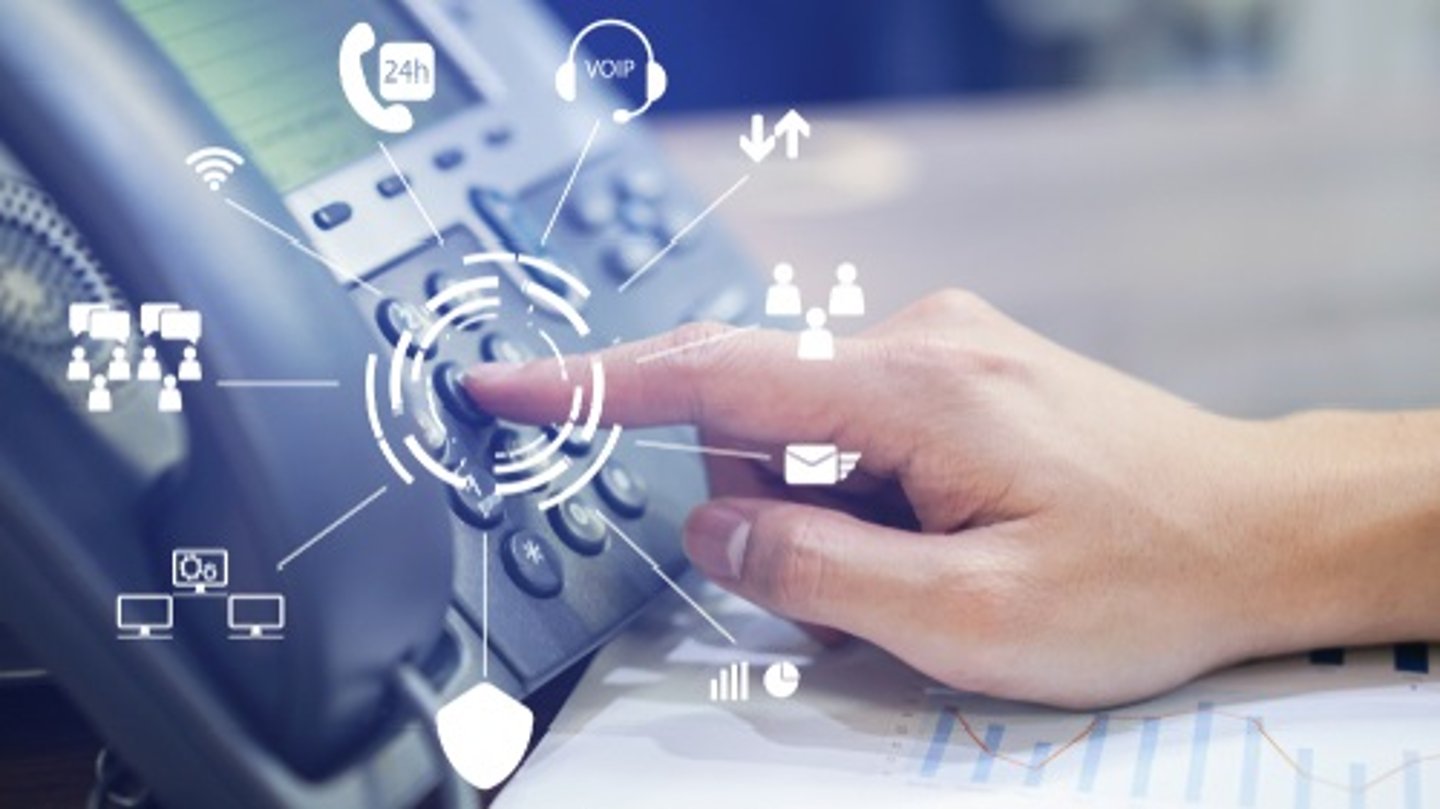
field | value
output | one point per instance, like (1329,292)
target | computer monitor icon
(144,616)
(258,616)
(199,570)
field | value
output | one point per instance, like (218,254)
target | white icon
(199,570)
(181,325)
(533,553)
(782,680)
(119,368)
(100,400)
(170,399)
(79,368)
(484,733)
(783,297)
(140,616)
(150,316)
(190,366)
(149,368)
(166,321)
(257,616)
(214,165)
(847,299)
(816,342)
(80,316)
(818,464)
(790,129)
(567,76)
(106,324)
(407,73)
(731,684)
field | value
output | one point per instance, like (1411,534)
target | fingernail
(715,540)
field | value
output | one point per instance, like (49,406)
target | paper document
(1360,728)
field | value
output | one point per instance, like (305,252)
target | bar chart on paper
(1338,730)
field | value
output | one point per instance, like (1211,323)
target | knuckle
(793,576)
(996,603)
(952,303)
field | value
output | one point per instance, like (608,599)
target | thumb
(813,564)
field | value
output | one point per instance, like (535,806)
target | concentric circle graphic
(538,466)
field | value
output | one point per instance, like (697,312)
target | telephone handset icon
(394,118)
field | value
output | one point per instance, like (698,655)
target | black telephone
(100,103)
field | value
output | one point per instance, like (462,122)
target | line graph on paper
(1354,729)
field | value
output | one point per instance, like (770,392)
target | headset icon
(656,79)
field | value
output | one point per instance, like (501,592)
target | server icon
(731,684)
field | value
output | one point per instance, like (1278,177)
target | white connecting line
(299,245)
(714,338)
(701,449)
(278,383)
(661,573)
(329,529)
(570,182)
(404,181)
(680,234)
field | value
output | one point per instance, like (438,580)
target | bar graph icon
(731,683)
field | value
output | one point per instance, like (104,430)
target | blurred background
(728,53)
(1236,199)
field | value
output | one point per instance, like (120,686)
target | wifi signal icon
(214,164)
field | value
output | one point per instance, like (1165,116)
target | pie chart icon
(782,680)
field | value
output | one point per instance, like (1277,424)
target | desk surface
(1253,254)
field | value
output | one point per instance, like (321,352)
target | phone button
(441,280)
(332,216)
(646,184)
(449,159)
(481,510)
(531,563)
(630,254)
(392,186)
(499,348)
(396,317)
(592,210)
(504,448)
(579,525)
(625,491)
(456,400)
(576,444)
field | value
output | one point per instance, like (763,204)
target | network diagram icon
(200,571)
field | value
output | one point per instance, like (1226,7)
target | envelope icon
(817,464)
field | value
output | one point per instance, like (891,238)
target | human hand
(1025,523)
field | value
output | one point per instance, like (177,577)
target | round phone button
(579,525)
(397,317)
(456,399)
(530,561)
(624,490)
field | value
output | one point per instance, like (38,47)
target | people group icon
(100,373)
(847,299)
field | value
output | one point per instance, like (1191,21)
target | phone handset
(358,41)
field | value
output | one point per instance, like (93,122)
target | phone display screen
(269,70)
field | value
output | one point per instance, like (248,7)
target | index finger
(742,382)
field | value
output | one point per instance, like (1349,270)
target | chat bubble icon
(150,316)
(109,325)
(180,324)
(80,316)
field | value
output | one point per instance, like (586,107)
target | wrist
(1345,523)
